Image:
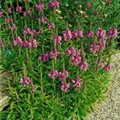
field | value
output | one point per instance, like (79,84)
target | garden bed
(59,56)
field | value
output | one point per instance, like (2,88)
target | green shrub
(59,56)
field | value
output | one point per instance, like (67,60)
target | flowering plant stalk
(59,53)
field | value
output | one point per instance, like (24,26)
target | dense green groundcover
(74,38)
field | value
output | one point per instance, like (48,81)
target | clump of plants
(59,61)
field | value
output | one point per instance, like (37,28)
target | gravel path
(4,77)
(110,108)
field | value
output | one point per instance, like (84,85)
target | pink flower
(100,33)
(28,31)
(51,26)
(65,86)
(19,40)
(102,44)
(19,8)
(90,34)
(34,43)
(27,80)
(77,82)
(14,42)
(75,34)
(33,89)
(39,7)
(76,59)
(43,20)
(13,27)
(27,12)
(2,44)
(108,67)
(109,1)
(28,43)
(44,57)
(53,74)
(8,20)
(21,81)
(83,65)
(1,14)
(57,39)
(40,31)
(54,54)
(68,52)
(80,33)
(73,51)
(99,62)
(67,35)
(9,10)
(53,4)
(34,33)
(89,4)
(63,75)
(112,33)
(94,48)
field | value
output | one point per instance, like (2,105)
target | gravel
(109,109)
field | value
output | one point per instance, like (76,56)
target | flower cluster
(1,14)
(108,67)
(77,82)
(65,86)
(25,81)
(53,4)
(101,33)
(26,43)
(57,39)
(39,7)
(76,58)
(53,54)
(112,33)
(62,78)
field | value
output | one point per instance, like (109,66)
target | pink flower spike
(19,9)
(19,40)
(80,33)
(40,31)
(65,86)
(44,57)
(68,52)
(53,74)
(77,82)
(53,4)
(34,33)
(21,81)
(27,80)
(9,10)
(73,51)
(67,35)
(34,43)
(57,39)
(13,27)
(51,26)
(112,33)
(14,42)
(32,89)
(108,67)
(8,20)
(39,7)
(43,20)
(83,66)
(1,14)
